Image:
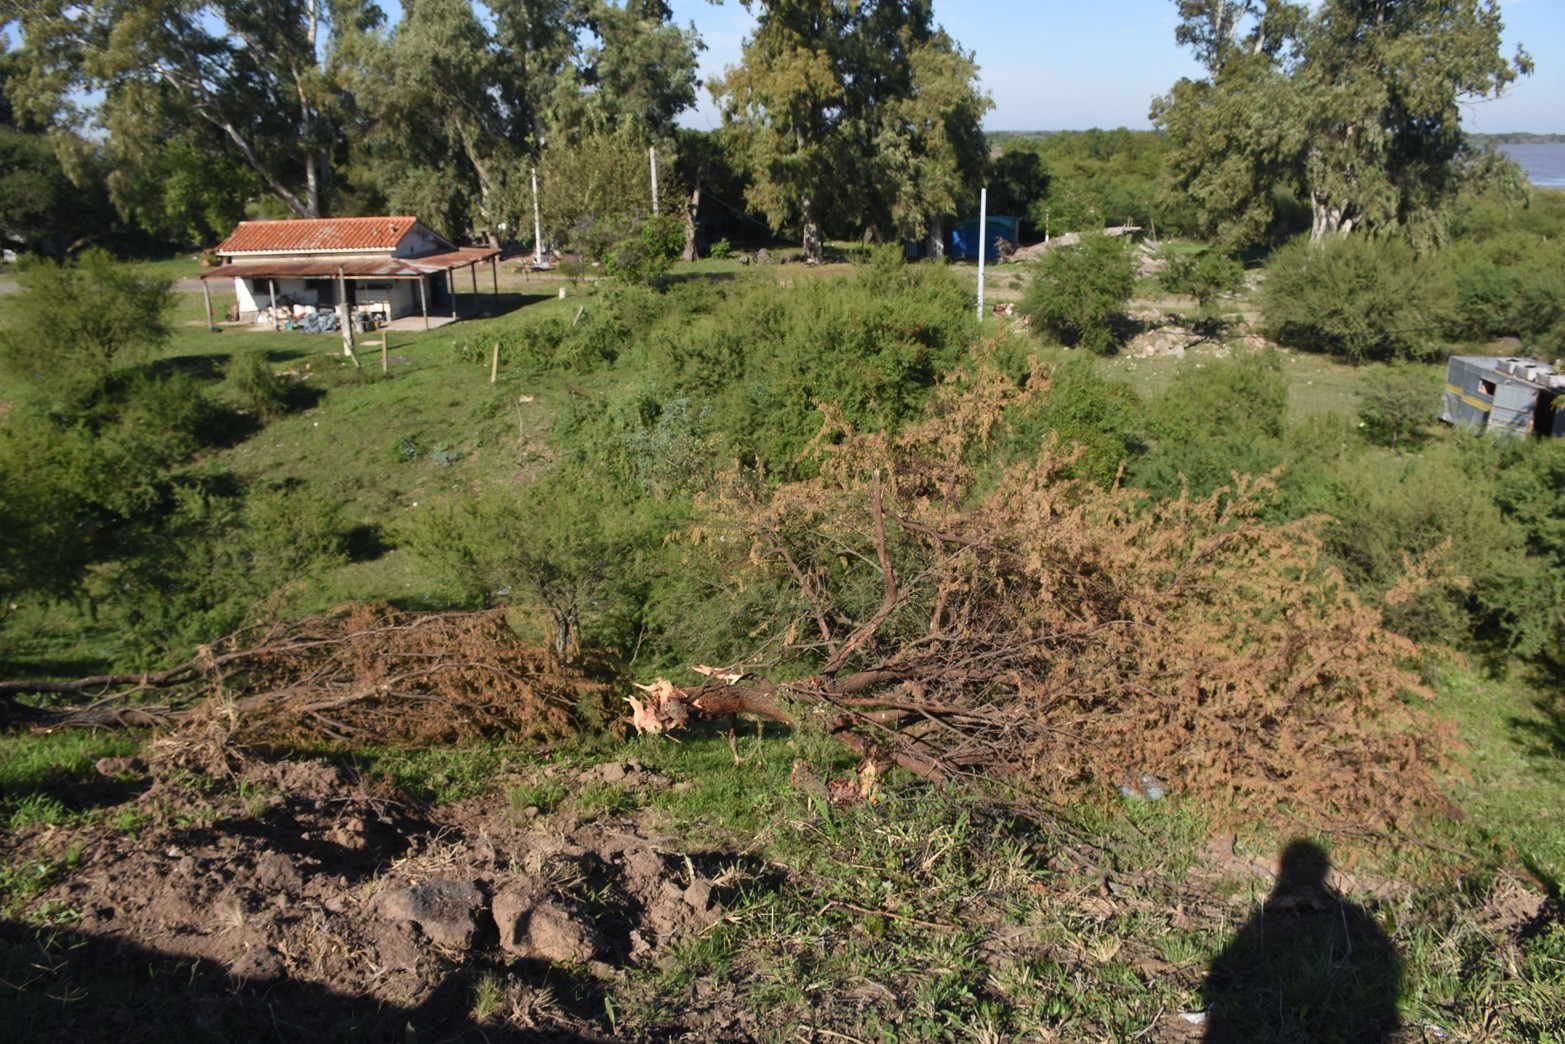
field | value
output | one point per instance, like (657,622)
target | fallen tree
(363,674)
(1032,626)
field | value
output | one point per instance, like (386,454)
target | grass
(932,913)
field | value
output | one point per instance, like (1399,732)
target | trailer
(1504,394)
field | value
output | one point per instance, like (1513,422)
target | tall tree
(633,72)
(1384,81)
(854,113)
(260,72)
(1352,105)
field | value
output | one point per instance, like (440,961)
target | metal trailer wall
(1481,395)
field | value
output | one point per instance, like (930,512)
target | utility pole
(537,223)
(652,158)
(983,246)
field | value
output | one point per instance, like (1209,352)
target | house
(1500,393)
(382,267)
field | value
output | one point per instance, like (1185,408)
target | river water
(1544,162)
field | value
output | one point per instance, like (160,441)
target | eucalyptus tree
(437,131)
(262,73)
(854,113)
(1350,105)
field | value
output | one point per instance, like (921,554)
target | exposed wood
(271,285)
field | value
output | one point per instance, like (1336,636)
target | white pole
(983,246)
(537,223)
(652,156)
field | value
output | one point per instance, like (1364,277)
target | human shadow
(1309,965)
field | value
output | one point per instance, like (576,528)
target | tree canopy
(855,116)
(1352,105)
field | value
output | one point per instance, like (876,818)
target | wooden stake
(206,292)
(494,362)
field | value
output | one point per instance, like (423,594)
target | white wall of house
(392,298)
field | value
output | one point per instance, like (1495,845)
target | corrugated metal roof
(353,268)
(318,235)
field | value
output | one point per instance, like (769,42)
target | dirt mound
(296,875)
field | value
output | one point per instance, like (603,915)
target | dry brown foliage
(1030,625)
(366,674)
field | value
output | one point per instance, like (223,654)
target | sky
(1074,64)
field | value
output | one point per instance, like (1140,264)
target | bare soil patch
(293,901)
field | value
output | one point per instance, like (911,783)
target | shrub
(1357,298)
(1214,421)
(1078,290)
(258,389)
(720,250)
(1396,404)
(1205,276)
(73,325)
(1525,299)
(873,345)
(646,255)
(1103,418)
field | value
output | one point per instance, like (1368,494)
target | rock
(276,874)
(543,928)
(446,910)
(257,966)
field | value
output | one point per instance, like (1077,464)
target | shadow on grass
(366,543)
(682,278)
(504,303)
(62,984)
(206,366)
(1308,965)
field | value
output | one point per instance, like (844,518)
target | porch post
(271,286)
(494,276)
(206,292)
(345,318)
(423,300)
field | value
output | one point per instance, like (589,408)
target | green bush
(221,558)
(720,250)
(1524,298)
(872,345)
(72,326)
(1357,298)
(1104,418)
(257,389)
(645,256)
(1205,276)
(1224,417)
(1397,404)
(1077,291)
(567,544)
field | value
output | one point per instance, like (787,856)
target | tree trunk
(692,249)
(936,240)
(814,247)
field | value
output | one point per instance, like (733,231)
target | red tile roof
(359,268)
(324,235)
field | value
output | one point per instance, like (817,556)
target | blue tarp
(317,322)
(964,237)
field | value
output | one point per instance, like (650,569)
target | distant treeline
(1516,138)
(1000,137)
